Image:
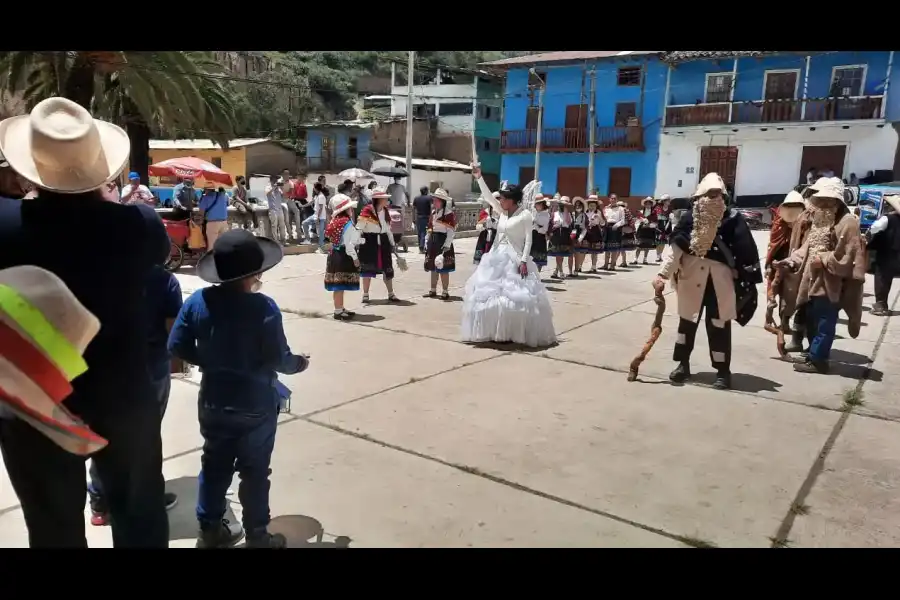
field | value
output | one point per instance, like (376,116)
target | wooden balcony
(606,139)
(858,108)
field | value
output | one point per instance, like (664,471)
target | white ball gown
(500,305)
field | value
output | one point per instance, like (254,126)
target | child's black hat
(238,254)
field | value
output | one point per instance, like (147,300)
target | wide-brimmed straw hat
(62,148)
(237,254)
(441,194)
(647,199)
(380,193)
(343,204)
(794,199)
(829,187)
(665,197)
(564,200)
(540,199)
(579,200)
(593,199)
(711,182)
(44,331)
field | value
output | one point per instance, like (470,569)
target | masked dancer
(377,246)
(778,287)
(703,273)
(560,243)
(440,257)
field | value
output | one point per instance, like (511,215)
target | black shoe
(880,309)
(723,381)
(819,367)
(171,500)
(796,343)
(225,535)
(274,541)
(681,373)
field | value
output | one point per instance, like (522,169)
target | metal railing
(606,139)
(850,108)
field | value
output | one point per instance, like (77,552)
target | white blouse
(513,230)
(440,227)
(562,219)
(615,215)
(365,226)
(350,239)
(542,221)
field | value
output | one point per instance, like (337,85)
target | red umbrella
(192,167)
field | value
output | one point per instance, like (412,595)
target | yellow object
(36,326)
(196,241)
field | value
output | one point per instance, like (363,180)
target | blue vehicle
(871,203)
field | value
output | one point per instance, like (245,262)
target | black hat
(511,192)
(238,254)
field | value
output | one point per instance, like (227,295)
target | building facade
(610,149)
(467,105)
(336,145)
(763,120)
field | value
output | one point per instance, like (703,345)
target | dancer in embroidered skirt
(579,226)
(591,239)
(661,210)
(440,257)
(342,264)
(560,237)
(377,246)
(645,223)
(628,237)
(505,300)
(541,227)
(615,219)
(487,223)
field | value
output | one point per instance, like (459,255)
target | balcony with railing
(327,163)
(851,108)
(606,139)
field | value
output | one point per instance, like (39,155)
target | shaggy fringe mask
(708,214)
(822,223)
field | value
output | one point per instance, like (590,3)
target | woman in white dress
(505,301)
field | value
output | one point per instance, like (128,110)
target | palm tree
(147,93)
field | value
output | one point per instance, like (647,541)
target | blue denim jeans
(241,442)
(421,230)
(821,326)
(308,222)
(161,389)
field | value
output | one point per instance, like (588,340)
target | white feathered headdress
(529,193)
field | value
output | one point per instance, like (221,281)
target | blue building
(764,120)
(628,90)
(337,145)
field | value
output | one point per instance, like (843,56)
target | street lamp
(540,125)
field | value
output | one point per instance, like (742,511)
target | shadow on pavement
(183,517)
(511,347)
(740,382)
(554,289)
(850,358)
(389,303)
(305,532)
(358,318)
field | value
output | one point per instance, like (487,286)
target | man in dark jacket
(884,241)
(422,206)
(103,252)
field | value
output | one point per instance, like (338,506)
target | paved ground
(401,436)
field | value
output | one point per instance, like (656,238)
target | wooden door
(619,182)
(822,159)
(526,174)
(571,181)
(780,88)
(721,160)
(624,111)
(576,126)
(328,151)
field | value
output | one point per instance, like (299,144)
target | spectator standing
(422,205)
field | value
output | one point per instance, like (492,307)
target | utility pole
(540,126)
(591,131)
(409,122)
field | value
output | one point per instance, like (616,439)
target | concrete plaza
(401,436)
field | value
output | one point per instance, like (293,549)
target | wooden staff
(655,331)
(774,290)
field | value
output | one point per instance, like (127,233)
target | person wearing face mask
(830,266)
(505,301)
(235,335)
(777,287)
(711,248)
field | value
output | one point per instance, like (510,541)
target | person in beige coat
(831,268)
(709,249)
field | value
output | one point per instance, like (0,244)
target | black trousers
(51,486)
(719,338)
(884,279)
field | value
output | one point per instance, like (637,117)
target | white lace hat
(60,147)
(712,181)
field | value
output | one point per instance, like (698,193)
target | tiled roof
(574,56)
(674,56)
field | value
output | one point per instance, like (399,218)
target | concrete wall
(769,161)
(270,158)
(390,138)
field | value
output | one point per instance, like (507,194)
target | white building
(454,177)
(771,160)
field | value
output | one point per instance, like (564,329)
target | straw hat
(343,204)
(44,331)
(894,201)
(539,198)
(712,181)
(564,200)
(793,199)
(441,194)
(60,147)
(593,198)
(579,200)
(829,187)
(379,193)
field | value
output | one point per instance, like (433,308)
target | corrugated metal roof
(573,56)
(429,162)
(200,144)
(355,124)
(674,56)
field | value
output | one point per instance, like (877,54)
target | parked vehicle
(754,218)
(186,241)
(870,202)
